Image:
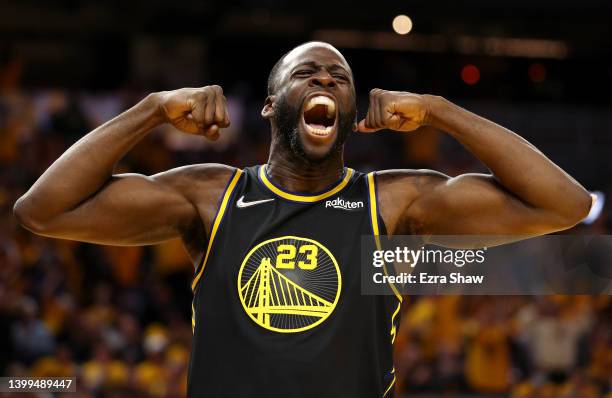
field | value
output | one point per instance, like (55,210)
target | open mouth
(320,115)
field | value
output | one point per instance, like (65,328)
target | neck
(295,174)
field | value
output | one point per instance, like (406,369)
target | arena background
(118,317)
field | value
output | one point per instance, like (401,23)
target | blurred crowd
(544,347)
(119,317)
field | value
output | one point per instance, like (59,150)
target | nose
(322,79)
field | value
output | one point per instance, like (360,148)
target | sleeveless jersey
(277,308)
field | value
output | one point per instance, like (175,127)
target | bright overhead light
(402,24)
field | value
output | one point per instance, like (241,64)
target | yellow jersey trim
(393,328)
(390,385)
(375,228)
(303,198)
(217,222)
(374,219)
(192,317)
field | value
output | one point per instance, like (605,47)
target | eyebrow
(315,65)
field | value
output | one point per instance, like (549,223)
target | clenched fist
(200,111)
(394,110)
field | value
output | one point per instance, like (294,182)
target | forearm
(516,164)
(85,167)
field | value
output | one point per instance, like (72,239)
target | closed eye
(303,73)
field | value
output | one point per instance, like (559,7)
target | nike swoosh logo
(242,204)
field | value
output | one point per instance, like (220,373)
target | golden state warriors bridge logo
(289,284)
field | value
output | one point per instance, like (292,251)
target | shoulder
(398,189)
(199,171)
(408,183)
(197,180)
(418,177)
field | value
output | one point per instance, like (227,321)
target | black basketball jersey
(277,308)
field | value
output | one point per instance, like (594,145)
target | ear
(268,109)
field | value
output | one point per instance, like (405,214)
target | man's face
(314,101)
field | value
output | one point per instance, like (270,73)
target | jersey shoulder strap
(221,210)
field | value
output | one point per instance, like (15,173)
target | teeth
(330,105)
(320,132)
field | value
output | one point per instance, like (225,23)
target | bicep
(130,209)
(477,204)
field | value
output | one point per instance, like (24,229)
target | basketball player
(277,309)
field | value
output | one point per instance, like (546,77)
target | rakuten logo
(339,203)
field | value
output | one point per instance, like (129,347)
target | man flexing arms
(79,198)
(311,107)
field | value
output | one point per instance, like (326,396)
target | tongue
(317,126)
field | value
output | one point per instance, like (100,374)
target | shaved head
(294,54)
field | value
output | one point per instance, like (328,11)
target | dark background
(119,317)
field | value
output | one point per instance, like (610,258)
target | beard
(287,118)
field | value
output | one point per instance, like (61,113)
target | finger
(380,121)
(209,112)
(212,132)
(377,121)
(401,124)
(219,108)
(362,127)
(395,122)
(221,118)
(396,118)
(196,115)
(369,119)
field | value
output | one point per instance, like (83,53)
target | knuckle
(206,90)
(202,94)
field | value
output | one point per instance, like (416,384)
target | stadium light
(470,74)
(402,24)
